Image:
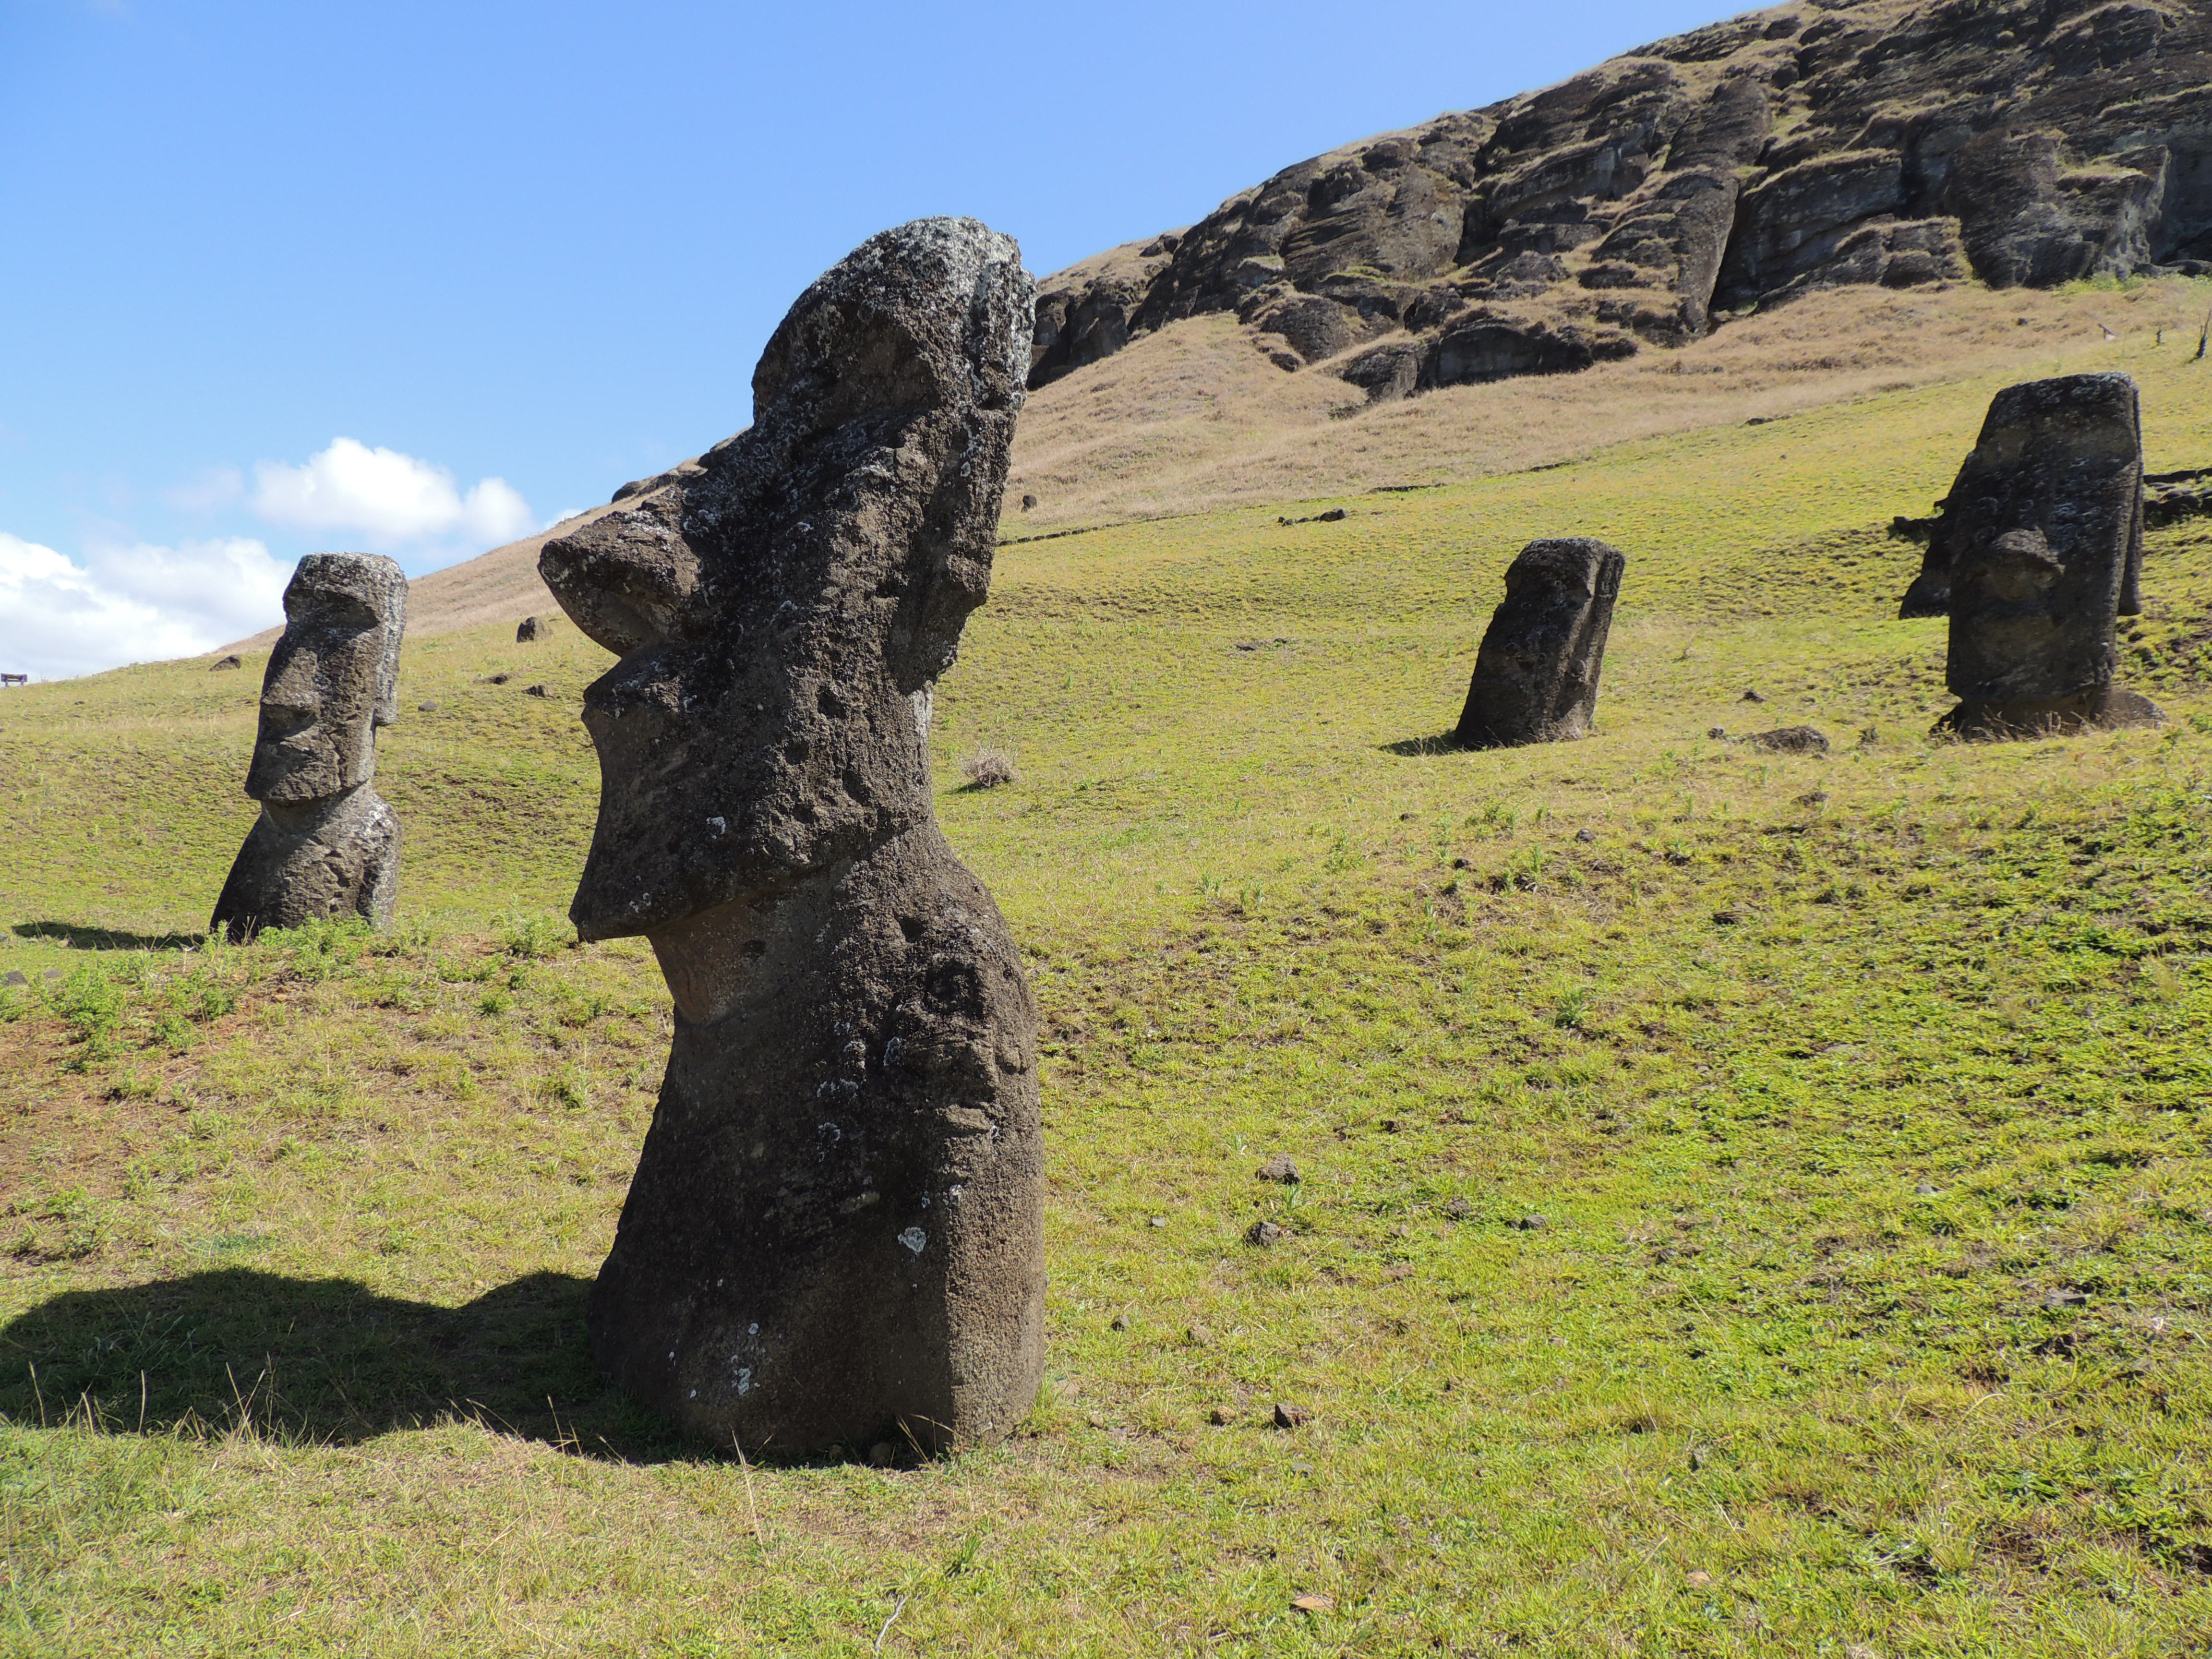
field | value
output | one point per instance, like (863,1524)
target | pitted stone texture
(2040,550)
(1536,677)
(834,1232)
(327,845)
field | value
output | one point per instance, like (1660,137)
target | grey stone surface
(529,630)
(2038,551)
(2017,142)
(834,1233)
(326,844)
(1790,740)
(1536,677)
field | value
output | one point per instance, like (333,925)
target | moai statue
(2043,538)
(834,1233)
(1535,678)
(326,844)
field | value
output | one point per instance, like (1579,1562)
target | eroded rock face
(327,844)
(1535,678)
(1889,142)
(835,1229)
(2039,550)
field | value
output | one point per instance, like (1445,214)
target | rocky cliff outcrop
(2013,141)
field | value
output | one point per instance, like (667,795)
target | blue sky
(420,278)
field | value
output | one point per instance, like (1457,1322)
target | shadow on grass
(1444,743)
(322,1361)
(106,939)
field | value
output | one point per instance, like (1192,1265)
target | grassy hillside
(1750,1204)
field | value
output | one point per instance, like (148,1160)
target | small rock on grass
(1751,696)
(16,976)
(1120,1322)
(1459,1209)
(1586,836)
(1698,1580)
(1264,1234)
(1159,1221)
(538,691)
(1532,1223)
(1790,740)
(1291,1417)
(427,708)
(1279,1168)
(1314,1603)
(2055,1300)
(1221,1417)
(1201,1336)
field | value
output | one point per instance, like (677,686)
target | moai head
(1535,678)
(783,613)
(2044,533)
(332,679)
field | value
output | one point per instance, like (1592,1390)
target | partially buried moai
(2042,546)
(1536,677)
(834,1232)
(326,844)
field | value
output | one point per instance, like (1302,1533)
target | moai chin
(326,844)
(2042,541)
(834,1232)
(1536,677)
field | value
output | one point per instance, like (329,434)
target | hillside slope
(1896,143)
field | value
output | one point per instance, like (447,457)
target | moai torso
(326,844)
(1535,678)
(2043,540)
(834,1233)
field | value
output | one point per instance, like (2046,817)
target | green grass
(1863,1101)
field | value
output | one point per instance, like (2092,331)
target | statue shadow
(106,939)
(1444,743)
(322,1362)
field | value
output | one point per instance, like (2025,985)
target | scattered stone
(1814,798)
(529,630)
(2063,1298)
(224,665)
(1265,1234)
(1459,1209)
(1158,1221)
(990,768)
(1291,1417)
(1201,1336)
(425,707)
(1029,503)
(1334,515)
(1926,1190)
(326,844)
(1726,918)
(1314,1603)
(1587,837)
(1751,697)
(1532,1223)
(1120,1322)
(1279,1168)
(16,976)
(1221,1417)
(2039,553)
(1698,1580)
(1790,740)
(837,1221)
(1717,734)
(1698,1458)
(496,679)
(1535,678)
(541,689)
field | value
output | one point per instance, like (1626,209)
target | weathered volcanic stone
(326,844)
(835,1231)
(1535,678)
(2040,550)
(528,630)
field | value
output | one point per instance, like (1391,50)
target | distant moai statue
(835,1234)
(326,844)
(1536,677)
(2042,541)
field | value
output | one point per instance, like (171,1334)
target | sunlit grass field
(1749,1205)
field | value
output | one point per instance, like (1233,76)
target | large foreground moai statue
(326,844)
(1536,677)
(836,1227)
(2042,540)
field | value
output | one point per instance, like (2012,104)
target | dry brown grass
(1194,418)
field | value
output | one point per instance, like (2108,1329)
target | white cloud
(136,604)
(388,497)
